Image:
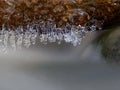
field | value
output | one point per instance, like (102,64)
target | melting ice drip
(45,31)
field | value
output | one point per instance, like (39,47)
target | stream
(62,67)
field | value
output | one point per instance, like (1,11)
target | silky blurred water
(59,67)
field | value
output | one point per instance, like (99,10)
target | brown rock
(15,12)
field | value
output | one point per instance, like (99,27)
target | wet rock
(30,11)
(110,42)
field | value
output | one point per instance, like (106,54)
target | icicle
(46,31)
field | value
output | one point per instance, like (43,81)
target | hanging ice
(5,41)
(26,39)
(67,37)
(33,36)
(44,31)
(93,28)
(12,40)
(19,40)
(52,37)
(43,38)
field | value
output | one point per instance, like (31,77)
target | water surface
(61,67)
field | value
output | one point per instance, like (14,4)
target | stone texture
(22,12)
(110,42)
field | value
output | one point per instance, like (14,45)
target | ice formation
(46,32)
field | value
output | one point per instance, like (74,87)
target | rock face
(74,12)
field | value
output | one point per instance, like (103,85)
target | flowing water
(60,67)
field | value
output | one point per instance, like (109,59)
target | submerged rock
(110,42)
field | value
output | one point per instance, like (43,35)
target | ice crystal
(45,31)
